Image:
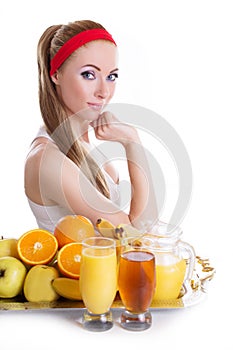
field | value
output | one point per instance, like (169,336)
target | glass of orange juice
(98,282)
(136,284)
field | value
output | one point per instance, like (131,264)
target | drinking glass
(98,282)
(136,284)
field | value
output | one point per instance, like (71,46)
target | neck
(80,128)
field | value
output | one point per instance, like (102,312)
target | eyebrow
(97,68)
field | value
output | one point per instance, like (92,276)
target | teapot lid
(164,230)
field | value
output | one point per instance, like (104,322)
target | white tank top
(48,216)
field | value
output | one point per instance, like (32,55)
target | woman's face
(87,80)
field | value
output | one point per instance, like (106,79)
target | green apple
(8,247)
(12,275)
(38,284)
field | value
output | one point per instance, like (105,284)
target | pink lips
(95,106)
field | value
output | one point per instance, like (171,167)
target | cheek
(111,91)
(72,93)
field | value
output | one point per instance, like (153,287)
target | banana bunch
(107,229)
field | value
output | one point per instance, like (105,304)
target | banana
(125,230)
(105,228)
(67,287)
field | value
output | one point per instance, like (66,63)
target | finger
(101,123)
(97,126)
(108,116)
(94,124)
(104,123)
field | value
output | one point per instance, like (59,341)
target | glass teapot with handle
(175,260)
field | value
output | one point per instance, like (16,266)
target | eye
(112,77)
(88,75)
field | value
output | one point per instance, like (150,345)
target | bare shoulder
(42,161)
(39,152)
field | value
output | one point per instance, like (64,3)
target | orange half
(68,259)
(37,246)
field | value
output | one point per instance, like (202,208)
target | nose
(102,89)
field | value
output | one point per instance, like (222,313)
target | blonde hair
(52,107)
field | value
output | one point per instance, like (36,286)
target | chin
(89,114)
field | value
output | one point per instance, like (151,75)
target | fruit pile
(43,266)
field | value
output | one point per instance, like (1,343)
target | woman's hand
(107,127)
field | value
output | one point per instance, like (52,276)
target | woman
(78,69)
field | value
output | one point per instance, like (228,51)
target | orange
(68,259)
(73,228)
(37,246)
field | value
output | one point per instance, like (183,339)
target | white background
(176,58)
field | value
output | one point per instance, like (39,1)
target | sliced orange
(37,246)
(68,259)
(73,228)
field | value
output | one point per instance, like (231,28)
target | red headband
(74,43)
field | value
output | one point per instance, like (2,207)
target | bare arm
(62,182)
(143,205)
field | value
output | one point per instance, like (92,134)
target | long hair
(52,107)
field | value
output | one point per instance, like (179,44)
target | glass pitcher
(175,260)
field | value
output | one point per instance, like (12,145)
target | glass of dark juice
(136,283)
